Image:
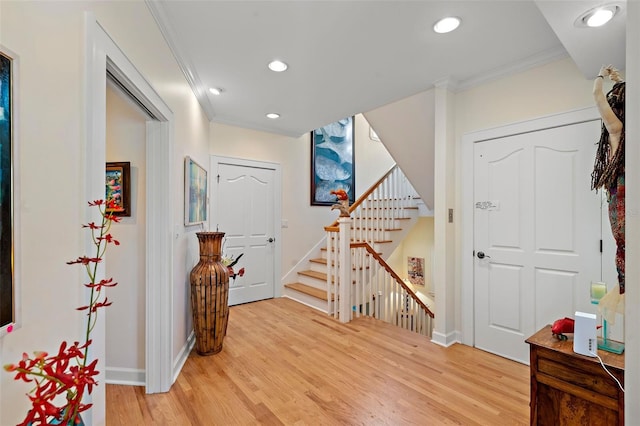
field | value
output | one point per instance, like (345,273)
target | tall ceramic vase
(209,295)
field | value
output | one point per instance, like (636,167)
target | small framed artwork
(118,188)
(333,162)
(415,270)
(195,193)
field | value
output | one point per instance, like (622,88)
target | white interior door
(243,206)
(538,225)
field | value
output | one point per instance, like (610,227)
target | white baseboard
(125,376)
(182,356)
(445,340)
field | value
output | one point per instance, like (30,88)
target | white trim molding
(445,340)
(183,355)
(125,376)
(102,56)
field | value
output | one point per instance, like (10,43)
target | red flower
(112,218)
(100,305)
(341,194)
(91,225)
(103,283)
(65,378)
(109,239)
(85,260)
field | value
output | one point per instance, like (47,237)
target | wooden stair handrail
(393,274)
(363,197)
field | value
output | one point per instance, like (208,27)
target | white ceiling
(349,57)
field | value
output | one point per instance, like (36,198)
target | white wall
(49,39)
(125,319)
(305,222)
(549,89)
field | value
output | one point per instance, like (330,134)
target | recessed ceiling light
(446,25)
(277,66)
(215,90)
(597,17)
(273,115)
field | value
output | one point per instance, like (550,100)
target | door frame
(467,290)
(102,55)
(277,207)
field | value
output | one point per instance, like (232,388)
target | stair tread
(310,290)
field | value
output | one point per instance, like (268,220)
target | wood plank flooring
(284,363)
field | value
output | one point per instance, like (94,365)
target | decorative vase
(209,295)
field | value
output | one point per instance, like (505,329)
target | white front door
(537,223)
(243,206)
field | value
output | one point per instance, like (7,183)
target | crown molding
(533,61)
(184,62)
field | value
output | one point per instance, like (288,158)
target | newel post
(344,272)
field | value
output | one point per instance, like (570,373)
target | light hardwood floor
(286,364)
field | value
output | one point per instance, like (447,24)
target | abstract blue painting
(332,161)
(6,201)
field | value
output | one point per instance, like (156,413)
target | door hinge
(600,246)
(218,179)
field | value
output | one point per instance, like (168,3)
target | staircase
(380,219)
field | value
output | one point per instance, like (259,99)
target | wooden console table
(572,389)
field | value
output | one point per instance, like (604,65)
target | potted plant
(60,381)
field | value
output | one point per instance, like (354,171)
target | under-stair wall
(410,122)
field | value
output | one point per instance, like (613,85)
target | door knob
(270,240)
(481,255)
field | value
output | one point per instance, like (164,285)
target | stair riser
(323,268)
(374,223)
(314,282)
(318,267)
(305,299)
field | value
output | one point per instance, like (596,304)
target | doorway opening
(104,57)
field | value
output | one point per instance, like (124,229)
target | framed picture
(195,193)
(415,270)
(8,291)
(118,188)
(333,162)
